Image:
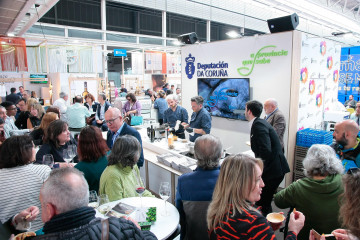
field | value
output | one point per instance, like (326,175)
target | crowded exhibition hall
(179,119)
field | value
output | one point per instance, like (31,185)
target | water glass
(164,193)
(48,160)
(67,158)
(93,199)
(103,199)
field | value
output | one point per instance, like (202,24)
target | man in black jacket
(266,145)
(64,198)
(12,97)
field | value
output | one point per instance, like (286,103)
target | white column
(104,48)
(164,27)
(208,30)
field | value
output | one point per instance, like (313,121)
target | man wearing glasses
(347,145)
(117,127)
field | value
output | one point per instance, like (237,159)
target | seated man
(100,112)
(76,115)
(9,127)
(62,104)
(194,190)
(68,216)
(350,103)
(356,115)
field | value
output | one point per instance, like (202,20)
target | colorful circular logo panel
(318,100)
(336,76)
(303,75)
(329,62)
(311,87)
(323,48)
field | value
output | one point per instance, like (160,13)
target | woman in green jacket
(121,176)
(317,194)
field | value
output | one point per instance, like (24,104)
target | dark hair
(54,109)
(166,85)
(2,121)
(78,99)
(91,145)
(89,95)
(169,91)
(172,86)
(16,151)
(126,151)
(102,95)
(12,90)
(255,107)
(7,104)
(21,99)
(161,94)
(131,96)
(53,131)
(198,100)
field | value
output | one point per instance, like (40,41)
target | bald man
(347,143)
(276,119)
(117,127)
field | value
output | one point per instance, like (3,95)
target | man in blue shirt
(174,113)
(200,122)
(117,127)
(76,115)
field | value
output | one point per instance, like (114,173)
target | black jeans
(267,194)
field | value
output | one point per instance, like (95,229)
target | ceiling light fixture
(11,35)
(337,34)
(233,34)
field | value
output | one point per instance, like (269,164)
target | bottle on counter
(170,140)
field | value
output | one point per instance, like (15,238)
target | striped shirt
(246,225)
(20,189)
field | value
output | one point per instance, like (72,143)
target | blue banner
(120,53)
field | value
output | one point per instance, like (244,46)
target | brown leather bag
(89,120)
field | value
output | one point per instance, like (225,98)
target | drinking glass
(66,155)
(93,199)
(164,193)
(72,149)
(48,159)
(140,189)
(103,199)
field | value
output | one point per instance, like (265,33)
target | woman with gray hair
(317,194)
(121,176)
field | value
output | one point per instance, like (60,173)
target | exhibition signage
(120,53)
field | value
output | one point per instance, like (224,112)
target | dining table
(164,226)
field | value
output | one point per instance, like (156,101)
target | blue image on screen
(225,97)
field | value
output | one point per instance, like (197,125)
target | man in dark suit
(266,145)
(117,127)
(276,119)
(12,97)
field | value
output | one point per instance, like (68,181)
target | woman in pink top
(132,107)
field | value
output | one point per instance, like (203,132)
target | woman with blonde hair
(36,114)
(38,133)
(232,213)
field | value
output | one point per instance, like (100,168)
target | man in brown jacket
(276,119)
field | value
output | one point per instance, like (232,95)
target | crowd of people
(230,201)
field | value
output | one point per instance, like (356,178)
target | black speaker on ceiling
(188,38)
(283,24)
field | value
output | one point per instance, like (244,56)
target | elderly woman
(20,179)
(317,194)
(232,213)
(121,176)
(132,107)
(92,151)
(161,105)
(57,138)
(195,189)
(36,115)
(38,133)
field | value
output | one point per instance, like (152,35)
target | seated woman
(317,194)
(38,133)
(92,150)
(232,213)
(56,139)
(36,114)
(20,179)
(161,105)
(132,107)
(121,176)
(90,102)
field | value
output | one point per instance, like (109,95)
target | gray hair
(272,101)
(75,194)
(208,150)
(171,97)
(62,94)
(102,95)
(198,99)
(126,151)
(321,160)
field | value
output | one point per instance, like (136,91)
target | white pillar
(164,27)
(208,31)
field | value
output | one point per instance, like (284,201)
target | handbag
(136,120)
(89,120)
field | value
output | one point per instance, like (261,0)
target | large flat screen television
(225,97)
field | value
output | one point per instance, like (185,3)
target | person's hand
(276,226)
(341,234)
(313,237)
(185,125)
(132,220)
(99,121)
(296,222)
(64,164)
(27,215)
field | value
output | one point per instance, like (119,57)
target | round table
(164,225)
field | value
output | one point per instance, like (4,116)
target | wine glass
(66,155)
(139,188)
(48,159)
(93,199)
(72,151)
(103,199)
(164,193)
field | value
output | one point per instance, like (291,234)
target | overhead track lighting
(188,38)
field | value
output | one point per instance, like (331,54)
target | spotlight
(188,38)
(233,34)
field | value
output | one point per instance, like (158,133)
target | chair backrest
(195,214)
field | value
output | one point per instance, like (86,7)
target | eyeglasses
(111,121)
(352,171)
